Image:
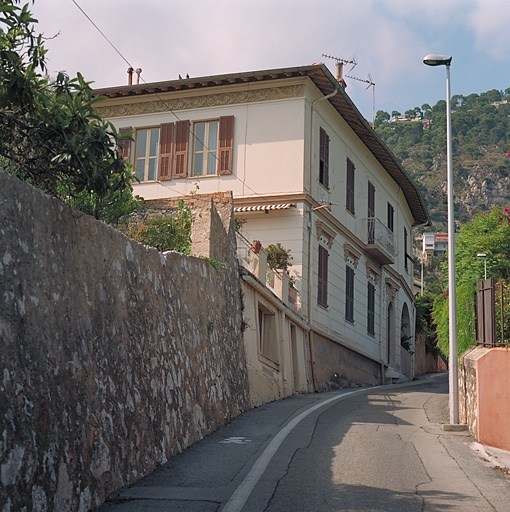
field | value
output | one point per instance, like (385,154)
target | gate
(485,313)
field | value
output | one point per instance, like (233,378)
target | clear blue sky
(387,38)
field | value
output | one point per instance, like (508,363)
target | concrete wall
(484,395)
(111,358)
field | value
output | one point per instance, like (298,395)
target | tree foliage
(50,134)
(489,234)
(480,141)
(170,232)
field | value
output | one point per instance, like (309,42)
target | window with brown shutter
(166,142)
(349,201)
(125,145)
(323,158)
(322,292)
(226,145)
(349,294)
(181,149)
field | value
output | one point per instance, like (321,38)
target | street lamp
(445,60)
(484,256)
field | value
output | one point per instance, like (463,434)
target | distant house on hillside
(434,244)
(307,171)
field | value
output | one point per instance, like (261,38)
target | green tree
(50,134)
(487,233)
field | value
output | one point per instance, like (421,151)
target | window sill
(323,306)
(269,362)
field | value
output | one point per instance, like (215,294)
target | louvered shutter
(322,295)
(181,149)
(166,139)
(125,145)
(226,145)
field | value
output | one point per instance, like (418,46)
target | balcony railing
(380,241)
(253,257)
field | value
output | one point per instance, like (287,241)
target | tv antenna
(370,83)
(338,60)
(340,63)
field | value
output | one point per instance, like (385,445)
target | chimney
(339,74)
(138,73)
(130,75)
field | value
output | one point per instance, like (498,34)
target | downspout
(309,265)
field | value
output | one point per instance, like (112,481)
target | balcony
(379,240)
(253,258)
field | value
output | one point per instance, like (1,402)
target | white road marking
(243,491)
(235,440)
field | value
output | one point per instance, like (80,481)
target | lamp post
(445,60)
(484,256)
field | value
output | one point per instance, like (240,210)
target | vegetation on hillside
(481,152)
(50,134)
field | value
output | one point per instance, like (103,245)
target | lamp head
(481,255)
(437,60)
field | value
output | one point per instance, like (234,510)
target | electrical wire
(166,105)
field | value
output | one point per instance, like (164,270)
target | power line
(164,102)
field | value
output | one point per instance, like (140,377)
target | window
(267,334)
(212,147)
(323,158)
(146,159)
(162,153)
(349,201)
(322,293)
(406,255)
(390,217)
(371,309)
(205,153)
(371,213)
(349,294)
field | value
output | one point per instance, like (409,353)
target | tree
(487,233)
(50,134)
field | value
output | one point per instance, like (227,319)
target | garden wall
(113,356)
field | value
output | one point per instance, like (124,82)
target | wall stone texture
(113,356)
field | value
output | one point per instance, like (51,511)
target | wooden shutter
(324,158)
(125,145)
(181,149)
(226,145)
(322,295)
(349,294)
(350,187)
(166,140)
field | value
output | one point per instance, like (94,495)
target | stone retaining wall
(113,356)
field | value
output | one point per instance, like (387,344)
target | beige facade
(308,172)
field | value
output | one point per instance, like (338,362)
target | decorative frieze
(205,100)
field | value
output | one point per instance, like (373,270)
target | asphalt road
(372,449)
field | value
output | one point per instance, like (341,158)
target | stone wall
(114,357)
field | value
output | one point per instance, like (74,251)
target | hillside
(481,152)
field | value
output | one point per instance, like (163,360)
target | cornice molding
(125,107)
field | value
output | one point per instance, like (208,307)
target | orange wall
(493,383)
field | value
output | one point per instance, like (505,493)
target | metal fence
(492,307)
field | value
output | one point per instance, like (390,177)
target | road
(372,449)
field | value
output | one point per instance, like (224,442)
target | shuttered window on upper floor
(323,158)
(349,196)
(176,151)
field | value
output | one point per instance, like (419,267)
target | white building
(434,244)
(306,170)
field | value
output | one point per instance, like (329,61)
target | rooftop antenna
(370,83)
(339,67)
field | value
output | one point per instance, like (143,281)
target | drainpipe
(309,270)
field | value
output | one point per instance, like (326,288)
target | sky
(386,38)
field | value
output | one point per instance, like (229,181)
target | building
(307,171)
(434,244)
